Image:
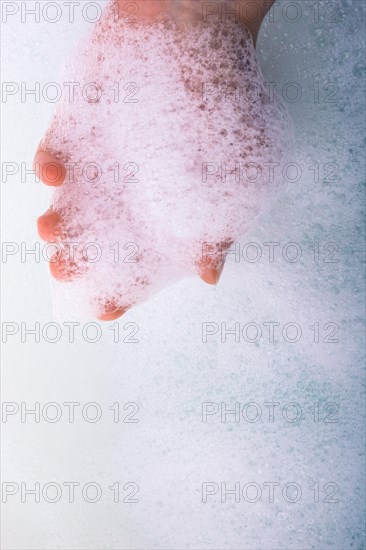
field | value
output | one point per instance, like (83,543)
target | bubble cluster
(171,138)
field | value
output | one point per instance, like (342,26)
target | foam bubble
(159,115)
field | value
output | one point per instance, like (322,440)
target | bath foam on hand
(170,139)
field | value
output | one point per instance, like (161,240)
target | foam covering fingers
(175,143)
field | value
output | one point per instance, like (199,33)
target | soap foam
(170,119)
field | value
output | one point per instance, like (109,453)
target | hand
(50,228)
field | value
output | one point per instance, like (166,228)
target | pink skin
(52,173)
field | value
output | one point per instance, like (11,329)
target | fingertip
(210,269)
(112,315)
(211,275)
(47,225)
(63,269)
(48,169)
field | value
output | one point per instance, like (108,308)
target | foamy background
(169,453)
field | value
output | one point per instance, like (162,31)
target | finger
(211,275)
(50,170)
(63,269)
(48,226)
(110,312)
(212,262)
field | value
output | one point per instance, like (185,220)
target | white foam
(168,123)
